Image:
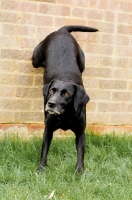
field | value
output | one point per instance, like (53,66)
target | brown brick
(124,29)
(122,96)
(114,5)
(113,84)
(86,37)
(122,40)
(130,42)
(38,105)
(5,104)
(39,80)
(91,48)
(37,20)
(6,117)
(112,107)
(109,16)
(8,42)
(78,12)
(27,43)
(54,10)
(21,104)
(126,6)
(25,67)
(124,18)
(129,62)
(98,72)
(105,49)
(94,48)
(59,22)
(129,108)
(6,91)
(98,4)
(96,95)
(16,54)
(90,82)
(108,39)
(24,6)
(91,106)
(7,66)
(72,2)
(47,1)
(122,62)
(123,74)
(103,118)
(94,14)
(42,32)
(121,119)
(92,61)
(29,92)
(10,29)
(29,117)
(6,79)
(39,71)
(5,17)
(91,118)
(130,85)
(24,80)
(123,51)
(107,61)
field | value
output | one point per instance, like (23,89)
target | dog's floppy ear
(46,90)
(80,98)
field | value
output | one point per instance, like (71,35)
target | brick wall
(108,74)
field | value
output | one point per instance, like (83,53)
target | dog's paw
(79,169)
(40,168)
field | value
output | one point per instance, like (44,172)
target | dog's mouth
(53,112)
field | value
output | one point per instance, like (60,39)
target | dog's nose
(51,104)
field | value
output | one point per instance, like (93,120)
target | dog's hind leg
(80,59)
(38,58)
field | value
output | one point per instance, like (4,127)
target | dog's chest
(64,123)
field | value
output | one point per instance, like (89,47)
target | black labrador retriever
(65,98)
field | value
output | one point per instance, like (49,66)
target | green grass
(107,174)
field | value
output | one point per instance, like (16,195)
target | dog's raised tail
(78,28)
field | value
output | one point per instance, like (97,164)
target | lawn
(107,174)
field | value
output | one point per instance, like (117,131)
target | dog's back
(61,56)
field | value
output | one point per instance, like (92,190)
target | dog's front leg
(80,145)
(47,137)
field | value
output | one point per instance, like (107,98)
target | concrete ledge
(29,130)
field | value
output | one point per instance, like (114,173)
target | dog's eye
(66,94)
(51,91)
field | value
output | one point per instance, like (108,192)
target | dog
(65,98)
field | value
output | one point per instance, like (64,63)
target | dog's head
(61,96)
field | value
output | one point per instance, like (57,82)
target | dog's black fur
(64,95)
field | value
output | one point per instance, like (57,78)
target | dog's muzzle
(52,108)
